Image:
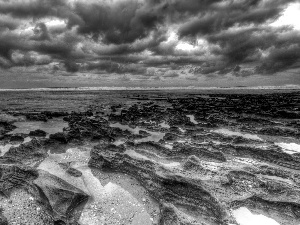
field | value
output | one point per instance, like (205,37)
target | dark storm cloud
(280,59)
(246,45)
(33,8)
(130,36)
(217,18)
(118,22)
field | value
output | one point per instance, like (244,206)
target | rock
(15,176)
(74,172)
(37,133)
(37,197)
(16,138)
(37,117)
(3,220)
(170,137)
(6,127)
(162,184)
(30,153)
(60,137)
(63,197)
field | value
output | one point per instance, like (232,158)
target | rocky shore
(181,160)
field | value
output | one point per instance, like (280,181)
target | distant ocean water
(285,87)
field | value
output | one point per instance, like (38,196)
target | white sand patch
(289,148)
(227,132)
(245,217)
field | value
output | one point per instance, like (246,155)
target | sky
(149,43)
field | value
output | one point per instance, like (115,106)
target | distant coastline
(285,87)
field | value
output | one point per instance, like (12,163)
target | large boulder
(63,197)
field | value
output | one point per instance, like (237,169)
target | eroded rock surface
(156,158)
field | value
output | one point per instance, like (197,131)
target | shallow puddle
(50,127)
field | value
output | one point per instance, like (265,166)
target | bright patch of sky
(290,17)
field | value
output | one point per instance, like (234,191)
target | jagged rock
(54,199)
(193,164)
(37,133)
(15,176)
(30,153)
(63,197)
(163,185)
(181,150)
(16,138)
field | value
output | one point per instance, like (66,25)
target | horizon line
(86,88)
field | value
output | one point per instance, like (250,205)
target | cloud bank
(148,39)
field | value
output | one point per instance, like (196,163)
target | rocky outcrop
(63,197)
(30,153)
(43,197)
(164,185)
